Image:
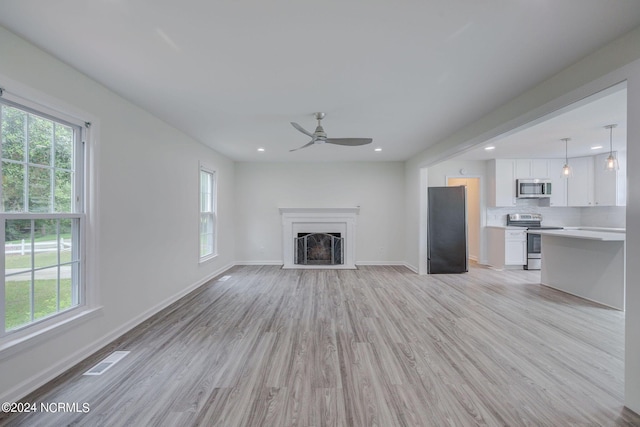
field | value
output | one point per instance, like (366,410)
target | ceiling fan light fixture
(567,172)
(320,137)
(611,162)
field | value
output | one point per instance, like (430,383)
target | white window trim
(205,168)
(47,328)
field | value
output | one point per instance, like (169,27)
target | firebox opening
(319,249)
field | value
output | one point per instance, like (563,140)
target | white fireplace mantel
(319,220)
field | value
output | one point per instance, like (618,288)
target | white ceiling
(233,74)
(584,123)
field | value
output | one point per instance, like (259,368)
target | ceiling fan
(320,137)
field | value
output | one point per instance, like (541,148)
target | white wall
(147,240)
(377,187)
(415,218)
(632,315)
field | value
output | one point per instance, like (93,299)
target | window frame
(213,213)
(41,105)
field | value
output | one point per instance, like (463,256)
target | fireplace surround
(331,221)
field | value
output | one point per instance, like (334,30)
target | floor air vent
(107,363)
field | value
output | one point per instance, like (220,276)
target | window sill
(16,343)
(207,258)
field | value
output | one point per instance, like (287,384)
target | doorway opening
(473,212)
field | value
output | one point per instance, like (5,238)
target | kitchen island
(589,263)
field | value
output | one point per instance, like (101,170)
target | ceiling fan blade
(304,146)
(301,129)
(349,141)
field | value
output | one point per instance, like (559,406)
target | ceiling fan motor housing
(320,133)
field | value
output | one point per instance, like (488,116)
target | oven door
(534,252)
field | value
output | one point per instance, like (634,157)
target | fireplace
(319,237)
(318,249)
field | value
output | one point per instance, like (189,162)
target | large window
(41,215)
(207,213)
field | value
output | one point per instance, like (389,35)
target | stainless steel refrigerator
(447,230)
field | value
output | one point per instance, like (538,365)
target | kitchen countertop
(590,233)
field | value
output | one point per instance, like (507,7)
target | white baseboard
(411,267)
(404,264)
(31,384)
(277,262)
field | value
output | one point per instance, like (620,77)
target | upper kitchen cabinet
(502,182)
(591,185)
(610,186)
(580,184)
(531,168)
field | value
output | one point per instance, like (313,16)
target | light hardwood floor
(377,346)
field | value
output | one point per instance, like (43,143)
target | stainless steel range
(534,247)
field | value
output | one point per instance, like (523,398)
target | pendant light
(611,163)
(566,169)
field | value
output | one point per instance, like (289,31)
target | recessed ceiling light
(596,147)
(261,150)
(489,148)
(378,149)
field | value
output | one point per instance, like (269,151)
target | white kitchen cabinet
(591,185)
(609,186)
(558,183)
(531,168)
(540,168)
(580,186)
(515,247)
(507,247)
(502,182)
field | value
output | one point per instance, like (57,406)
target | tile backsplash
(604,217)
(613,216)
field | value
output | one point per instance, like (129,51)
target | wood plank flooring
(377,346)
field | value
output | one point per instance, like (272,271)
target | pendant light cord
(611,140)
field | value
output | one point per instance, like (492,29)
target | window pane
(17,301)
(17,261)
(203,202)
(65,241)
(64,146)
(12,187)
(62,193)
(40,137)
(205,191)
(45,293)
(66,284)
(39,189)
(17,254)
(206,234)
(14,123)
(45,235)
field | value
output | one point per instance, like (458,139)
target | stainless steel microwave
(533,188)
